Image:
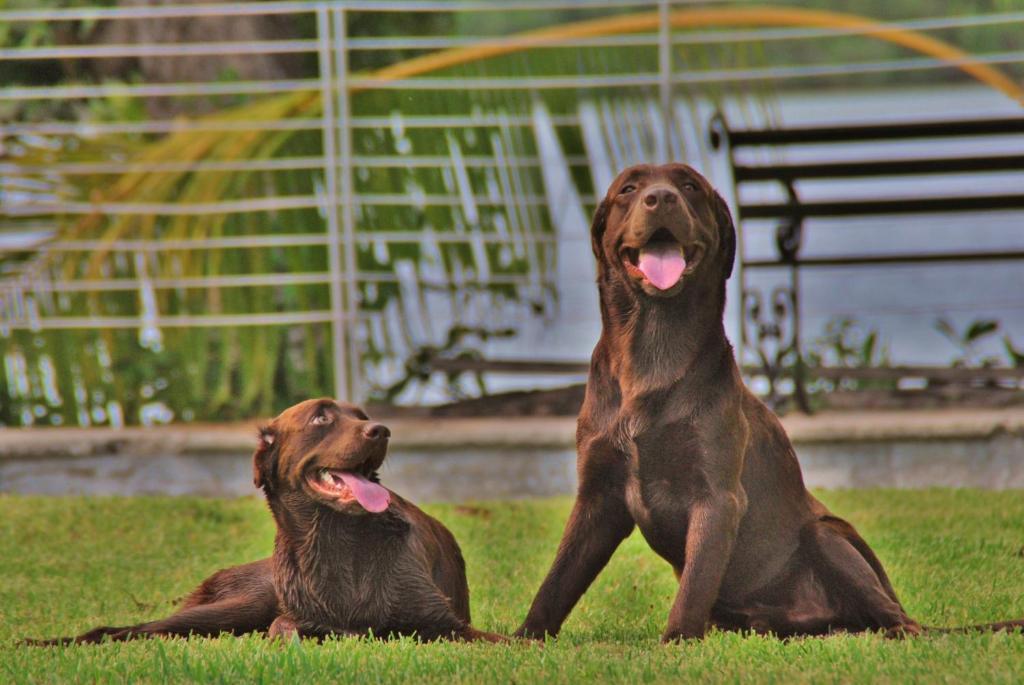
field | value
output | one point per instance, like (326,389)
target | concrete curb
(459,459)
(497,433)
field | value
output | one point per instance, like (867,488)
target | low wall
(476,459)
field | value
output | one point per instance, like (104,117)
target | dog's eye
(690,186)
(626,189)
(320,420)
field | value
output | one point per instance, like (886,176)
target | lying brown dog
(670,440)
(350,556)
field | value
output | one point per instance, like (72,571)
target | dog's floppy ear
(597,227)
(726,233)
(264,459)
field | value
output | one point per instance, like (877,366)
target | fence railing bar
(307,7)
(87,130)
(459,121)
(171,321)
(507,83)
(283,164)
(470,161)
(775,34)
(665,56)
(443,42)
(492,279)
(181,282)
(159,12)
(402,200)
(283,240)
(166,208)
(92,129)
(265,47)
(447,237)
(159,244)
(343,373)
(79,168)
(490,6)
(272,204)
(835,373)
(22,184)
(511,366)
(77,92)
(268,47)
(347,188)
(273,319)
(808,71)
(251,281)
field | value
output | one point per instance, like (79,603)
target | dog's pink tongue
(371,496)
(662,264)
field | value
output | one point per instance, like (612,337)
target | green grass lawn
(67,564)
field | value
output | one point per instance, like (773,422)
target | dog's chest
(361,596)
(660,515)
(366,592)
(344,585)
(665,476)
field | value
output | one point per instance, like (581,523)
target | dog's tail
(995,627)
(94,636)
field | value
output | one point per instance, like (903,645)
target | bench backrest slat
(848,134)
(924,165)
(917,205)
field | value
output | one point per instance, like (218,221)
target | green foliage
(228,373)
(845,344)
(1015,356)
(967,341)
(40,33)
(73,563)
(240,372)
(846,49)
(419,365)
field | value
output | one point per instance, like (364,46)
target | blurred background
(213,211)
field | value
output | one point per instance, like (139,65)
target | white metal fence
(405,174)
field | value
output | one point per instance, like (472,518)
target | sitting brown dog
(670,440)
(350,556)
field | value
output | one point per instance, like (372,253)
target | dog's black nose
(655,197)
(377,431)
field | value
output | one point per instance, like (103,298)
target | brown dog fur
(669,439)
(336,568)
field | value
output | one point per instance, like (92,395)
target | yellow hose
(701,18)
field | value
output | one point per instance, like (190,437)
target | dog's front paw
(898,632)
(471,634)
(673,635)
(283,627)
(529,633)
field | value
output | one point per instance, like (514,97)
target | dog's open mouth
(349,486)
(661,262)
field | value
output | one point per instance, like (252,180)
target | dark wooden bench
(771,324)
